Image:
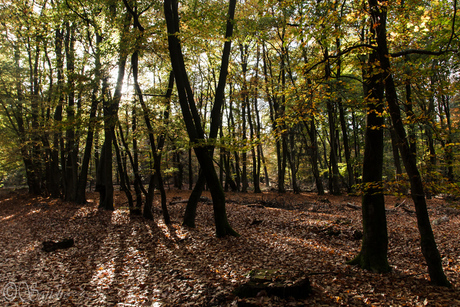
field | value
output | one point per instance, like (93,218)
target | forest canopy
(294,108)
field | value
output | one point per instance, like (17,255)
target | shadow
(125,260)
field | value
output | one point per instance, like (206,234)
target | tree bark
(71,165)
(83,177)
(190,113)
(428,244)
(333,162)
(374,249)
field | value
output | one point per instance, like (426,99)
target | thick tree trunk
(373,254)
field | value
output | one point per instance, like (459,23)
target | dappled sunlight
(164,228)
(34,211)
(103,277)
(119,260)
(7,217)
(120,217)
(133,276)
(84,212)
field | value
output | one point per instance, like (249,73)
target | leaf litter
(120,260)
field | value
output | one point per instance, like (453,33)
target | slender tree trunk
(83,177)
(314,155)
(55,173)
(408,107)
(190,169)
(156,151)
(138,186)
(255,156)
(275,113)
(134,209)
(124,179)
(244,119)
(104,183)
(292,163)
(443,102)
(334,174)
(71,172)
(190,113)
(428,243)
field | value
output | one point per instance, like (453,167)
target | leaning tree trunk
(427,241)
(190,113)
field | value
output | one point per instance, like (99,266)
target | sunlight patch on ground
(120,217)
(7,217)
(103,277)
(164,228)
(134,272)
(34,211)
(84,212)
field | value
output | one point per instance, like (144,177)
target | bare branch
(339,54)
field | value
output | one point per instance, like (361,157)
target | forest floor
(120,260)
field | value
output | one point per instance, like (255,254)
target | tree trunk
(190,113)
(124,179)
(104,184)
(71,163)
(156,151)
(83,177)
(373,254)
(428,243)
(333,162)
(190,169)
(314,155)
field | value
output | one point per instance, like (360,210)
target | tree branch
(339,54)
(420,51)
(135,16)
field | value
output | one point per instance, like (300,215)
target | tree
(378,13)
(104,184)
(373,254)
(203,151)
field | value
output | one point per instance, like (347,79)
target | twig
(352,206)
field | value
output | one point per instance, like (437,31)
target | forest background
(326,96)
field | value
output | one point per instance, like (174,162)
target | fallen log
(273,283)
(51,246)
